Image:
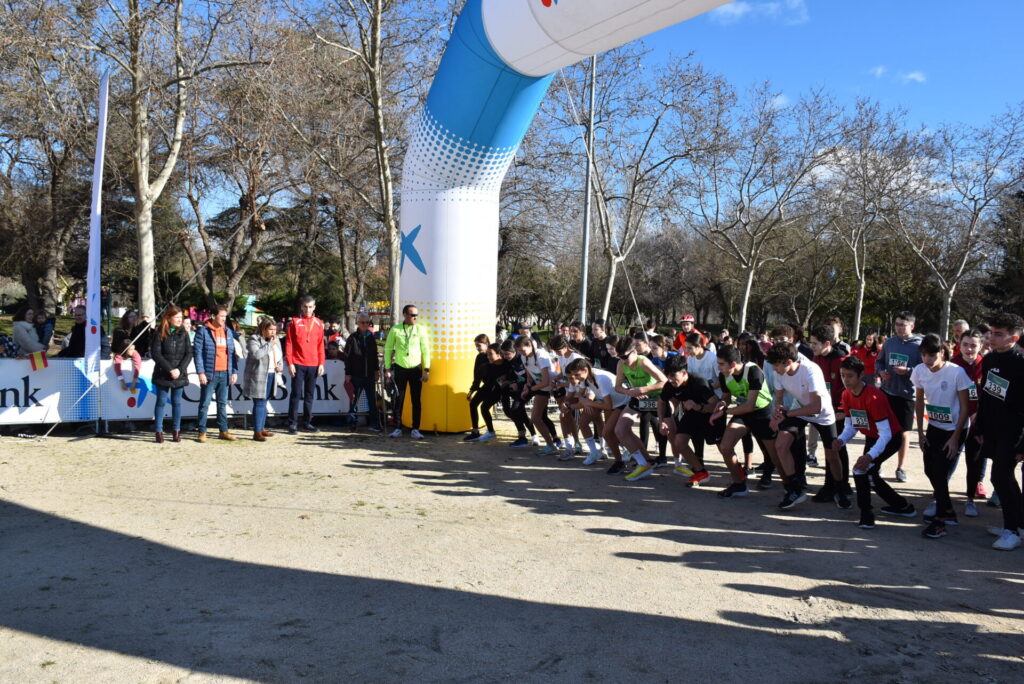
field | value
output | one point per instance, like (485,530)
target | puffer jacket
(174,351)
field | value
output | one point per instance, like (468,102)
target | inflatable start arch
(499,62)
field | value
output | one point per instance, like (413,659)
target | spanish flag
(38,360)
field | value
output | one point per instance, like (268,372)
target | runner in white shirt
(596,393)
(562,354)
(805,383)
(538,383)
(941,391)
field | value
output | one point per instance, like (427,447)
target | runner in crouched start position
(684,411)
(639,379)
(745,383)
(595,394)
(867,410)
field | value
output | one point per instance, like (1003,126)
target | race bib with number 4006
(996,386)
(860,419)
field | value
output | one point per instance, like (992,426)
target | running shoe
(579,449)
(842,500)
(867,521)
(979,492)
(812,460)
(520,443)
(640,472)
(901,475)
(471,437)
(697,478)
(907,511)
(566,455)
(970,510)
(416,434)
(935,530)
(996,531)
(792,498)
(735,489)
(558,444)
(549,450)
(765,482)
(994,501)
(684,469)
(486,437)
(396,433)
(535,440)
(1007,541)
(616,467)
(661,462)
(593,457)
(929,511)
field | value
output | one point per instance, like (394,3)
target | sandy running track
(346,557)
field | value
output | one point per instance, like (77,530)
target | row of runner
(613,392)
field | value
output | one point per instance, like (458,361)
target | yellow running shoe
(640,472)
(684,470)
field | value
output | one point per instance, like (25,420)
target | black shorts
(559,393)
(693,424)
(903,409)
(759,426)
(537,393)
(795,426)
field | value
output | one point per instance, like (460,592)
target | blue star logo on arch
(409,251)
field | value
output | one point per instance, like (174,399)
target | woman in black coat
(172,352)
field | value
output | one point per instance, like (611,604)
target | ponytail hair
(581,364)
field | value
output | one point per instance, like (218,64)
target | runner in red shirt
(687,326)
(969,358)
(867,353)
(867,411)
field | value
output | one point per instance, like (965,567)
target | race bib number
(996,386)
(939,414)
(860,419)
(972,392)
(899,360)
(647,405)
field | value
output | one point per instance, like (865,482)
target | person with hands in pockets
(407,359)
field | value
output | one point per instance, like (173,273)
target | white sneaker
(396,433)
(536,440)
(486,437)
(930,511)
(901,475)
(593,458)
(1007,542)
(416,434)
(970,510)
(997,531)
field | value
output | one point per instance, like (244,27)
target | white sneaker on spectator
(396,433)
(416,434)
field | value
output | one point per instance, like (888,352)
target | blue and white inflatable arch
(497,67)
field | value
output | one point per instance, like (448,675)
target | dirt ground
(342,557)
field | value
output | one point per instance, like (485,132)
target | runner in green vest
(745,383)
(641,381)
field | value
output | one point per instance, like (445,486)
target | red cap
(687,317)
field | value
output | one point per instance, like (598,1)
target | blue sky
(943,60)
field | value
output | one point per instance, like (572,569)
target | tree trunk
(31,284)
(147,260)
(858,306)
(613,267)
(947,302)
(747,288)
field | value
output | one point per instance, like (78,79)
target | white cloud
(914,77)
(780,101)
(785,11)
(878,71)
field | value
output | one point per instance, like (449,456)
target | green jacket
(407,346)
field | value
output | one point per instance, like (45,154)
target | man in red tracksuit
(829,356)
(305,356)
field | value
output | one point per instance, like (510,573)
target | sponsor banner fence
(49,395)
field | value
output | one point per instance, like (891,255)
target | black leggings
(872,478)
(413,378)
(975,464)
(648,423)
(513,407)
(1001,448)
(936,467)
(483,402)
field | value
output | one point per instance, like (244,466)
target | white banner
(92,281)
(49,395)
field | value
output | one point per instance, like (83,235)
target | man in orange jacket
(305,355)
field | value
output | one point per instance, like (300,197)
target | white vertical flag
(93,284)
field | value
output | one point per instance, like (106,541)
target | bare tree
(754,174)
(949,225)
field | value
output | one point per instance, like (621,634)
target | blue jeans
(369,387)
(161,398)
(304,385)
(259,407)
(217,381)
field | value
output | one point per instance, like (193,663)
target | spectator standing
(74,342)
(362,370)
(217,367)
(264,365)
(171,355)
(305,355)
(407,350)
